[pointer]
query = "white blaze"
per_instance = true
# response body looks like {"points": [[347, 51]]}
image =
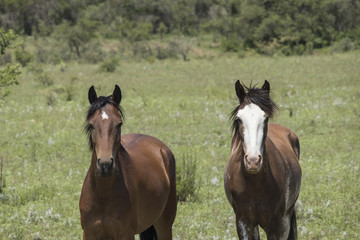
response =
{"points": [[253, 119], [104, 115]]}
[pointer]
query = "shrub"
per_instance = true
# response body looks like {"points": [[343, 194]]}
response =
{"points": [[2, 179], [230, 44], [23, 57], [70, 90], [44, 79], [93, 53], [51, 99], [5, 59], [344, 45], [142, 51], [136, 31], [109, 65], [186, 179], [8, 76], [171, 51]]}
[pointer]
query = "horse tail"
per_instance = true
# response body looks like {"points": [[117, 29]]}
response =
{"points": [[293, 227], [149, 234]]}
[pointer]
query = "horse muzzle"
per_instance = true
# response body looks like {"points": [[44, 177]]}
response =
{"points": [[106, 167], [253, 163]]}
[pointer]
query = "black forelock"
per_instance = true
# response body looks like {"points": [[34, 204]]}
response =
{"points": [[101, 102], [97, 104]]}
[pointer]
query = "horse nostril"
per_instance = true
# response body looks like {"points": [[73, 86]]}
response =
{"points": [[99, 160]]}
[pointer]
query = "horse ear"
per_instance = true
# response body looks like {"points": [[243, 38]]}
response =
{"points": [[240, 91], [116, 97], [92, 95], [266, 86]]}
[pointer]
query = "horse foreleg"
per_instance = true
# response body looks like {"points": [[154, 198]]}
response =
{"points": [[280, 229], [245, 231]]}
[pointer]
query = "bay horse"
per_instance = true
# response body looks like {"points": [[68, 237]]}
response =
{"points": [[263, 175], [130, 187]]}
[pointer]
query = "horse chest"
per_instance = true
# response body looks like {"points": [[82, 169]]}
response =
{"points": [[257, 203], [106, 220], [106, 225]]}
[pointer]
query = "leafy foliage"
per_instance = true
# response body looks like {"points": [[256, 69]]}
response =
{"points": [[8, 76], [109, 65], [242, 24]]}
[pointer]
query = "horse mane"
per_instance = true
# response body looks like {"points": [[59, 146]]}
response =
{"points": [[97, 104], [257, 96]]}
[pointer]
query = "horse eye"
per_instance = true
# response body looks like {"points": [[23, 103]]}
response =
{"points": [[90, 127], [238, 120], [119, 125]]}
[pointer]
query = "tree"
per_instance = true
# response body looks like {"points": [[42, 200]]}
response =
{"points": [[8, 76]]}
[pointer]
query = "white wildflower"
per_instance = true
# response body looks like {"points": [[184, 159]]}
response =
{"points": [[215, 181]]}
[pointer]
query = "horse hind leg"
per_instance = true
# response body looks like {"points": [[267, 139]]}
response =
{"points": [[149, 234], [164, 224]]}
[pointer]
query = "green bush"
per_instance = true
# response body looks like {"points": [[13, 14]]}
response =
{"points": [[142, 50], [5, 59], [44, 79], [186, 178], [109, 65], [93, 53], [171, 51], [344, 45], [136, 31], [8, 76], [23, 57], [230, 44], [2, 179]]}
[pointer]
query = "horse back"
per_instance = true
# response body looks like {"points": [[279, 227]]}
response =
{"points": [[148, 150], [284, 138]]}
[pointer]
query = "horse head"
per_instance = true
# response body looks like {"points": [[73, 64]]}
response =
{"points": [[104, 121], [250, 124]]}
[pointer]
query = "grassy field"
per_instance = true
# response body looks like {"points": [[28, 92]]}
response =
{"points": [[44, 153]]}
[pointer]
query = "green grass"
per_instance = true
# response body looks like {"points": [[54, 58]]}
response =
{"points": [[185, 104]]}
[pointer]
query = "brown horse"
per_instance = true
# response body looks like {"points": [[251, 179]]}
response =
{"points": [[130, 186], [262, 178]]}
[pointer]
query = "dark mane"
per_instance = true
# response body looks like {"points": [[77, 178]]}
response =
{"points": [[259, 97], [99, 103]]}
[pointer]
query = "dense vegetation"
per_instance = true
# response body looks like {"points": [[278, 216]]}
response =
{"points": [[264, 26], [8, 75]]}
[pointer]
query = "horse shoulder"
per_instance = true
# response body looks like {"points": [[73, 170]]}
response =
{"points": [[233, 182], [284, 149]]}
